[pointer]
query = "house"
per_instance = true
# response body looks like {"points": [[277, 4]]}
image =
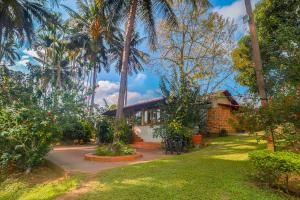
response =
{"points": [[146, 115]]}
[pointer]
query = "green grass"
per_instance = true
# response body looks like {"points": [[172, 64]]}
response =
{"points": [[21, 189], [218, 172]]}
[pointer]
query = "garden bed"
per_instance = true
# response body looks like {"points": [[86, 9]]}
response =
{"points": [[93, 157]]}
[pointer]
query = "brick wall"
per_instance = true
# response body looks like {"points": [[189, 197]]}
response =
{"points": [[217, 118]]}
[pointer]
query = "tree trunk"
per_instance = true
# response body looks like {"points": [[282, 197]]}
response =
{"points": [[94, 88], [125, 57], [58, 77], [256, 55], [126, 90]]}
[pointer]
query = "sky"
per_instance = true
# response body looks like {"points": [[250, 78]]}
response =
{"points": [[145, 85]]}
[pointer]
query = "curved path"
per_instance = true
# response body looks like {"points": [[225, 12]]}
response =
{"points": [[71, 159]]}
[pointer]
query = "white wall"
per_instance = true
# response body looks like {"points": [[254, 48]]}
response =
{"points": [[146, 133]]}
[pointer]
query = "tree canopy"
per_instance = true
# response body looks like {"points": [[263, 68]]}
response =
{"points": [[278, 28]]}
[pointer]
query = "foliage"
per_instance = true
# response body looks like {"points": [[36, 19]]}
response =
{"points": [[110, 127], [200, 46], [117, 149], [223, 132], [196, 60], [82, 131], [18, 23], [123, 130], [25, 136], [105, 130], [173, 129], [278, 32], [279, 119], [273, 167]]}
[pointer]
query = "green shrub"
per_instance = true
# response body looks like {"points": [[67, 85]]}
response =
{"points": [[80, 130], [104, 151], [25, 136], [123, 130], [105, 130], [223, 132], [273, 167], [107, 127], [117, 149]]}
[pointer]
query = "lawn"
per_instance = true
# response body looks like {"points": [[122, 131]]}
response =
{"points": [[219, 171], [43, 183]]}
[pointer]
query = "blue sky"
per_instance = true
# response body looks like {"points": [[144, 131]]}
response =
{"points": [[145, 85]]}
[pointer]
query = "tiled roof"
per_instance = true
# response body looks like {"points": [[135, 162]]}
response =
{"points": [[156, 102]]}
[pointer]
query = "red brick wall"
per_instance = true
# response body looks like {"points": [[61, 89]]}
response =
{"points": [[218, 117]]}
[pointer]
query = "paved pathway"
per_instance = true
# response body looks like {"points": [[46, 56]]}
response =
{"points": [[71, 158]]}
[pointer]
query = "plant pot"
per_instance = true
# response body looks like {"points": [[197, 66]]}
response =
{"points": [[197, 139]]}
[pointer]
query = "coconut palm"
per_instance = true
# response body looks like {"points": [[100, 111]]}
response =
{"points": [[8, 52], [136, 57], [17, 17], [146, 10], [51, 48], [93, 30]]}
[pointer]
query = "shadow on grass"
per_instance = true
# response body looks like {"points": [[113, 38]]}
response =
{"points": [[42, 183], [219, 171]]}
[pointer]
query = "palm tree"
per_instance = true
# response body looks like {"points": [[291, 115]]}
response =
{"points": [[136, 57], [51, 48], [8, 51], [17, 18], [146, 10], [93, 31]]}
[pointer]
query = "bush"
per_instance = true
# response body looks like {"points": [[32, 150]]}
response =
{"points": [[80, 130], [172, 131], [108, 127], [105, 131], [223, 132], [273, 167], [117, 149], [25, 137], [124, 131]]}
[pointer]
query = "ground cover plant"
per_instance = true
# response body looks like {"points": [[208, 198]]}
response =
{"points": [[115, 149], [220, 171], [43, 183], [275, 168]]}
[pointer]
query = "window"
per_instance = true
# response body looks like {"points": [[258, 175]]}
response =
{"points": [[151, 116], [138, 118]]}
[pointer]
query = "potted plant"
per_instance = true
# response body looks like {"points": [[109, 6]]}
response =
{"points": [[197, 138]]}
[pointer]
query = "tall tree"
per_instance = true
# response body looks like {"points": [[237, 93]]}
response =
{"points": [[136, 57], [17, 17], [278, 34], [146, 10], [52, 54], [256, 55], [8, 51], [199, 48], [93, 30]]}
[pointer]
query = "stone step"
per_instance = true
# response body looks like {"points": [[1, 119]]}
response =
{"points": [[136, 139]]}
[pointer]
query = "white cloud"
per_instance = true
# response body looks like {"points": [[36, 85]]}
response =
{"points": [[140, 77], [23, 61], [236, 11], [30, 52], [110, 91]]}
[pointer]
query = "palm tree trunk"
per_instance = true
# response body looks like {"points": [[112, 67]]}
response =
{"points": [[256, 55], [126, 90], [58, 77], [94, 87], [125, 57]]}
